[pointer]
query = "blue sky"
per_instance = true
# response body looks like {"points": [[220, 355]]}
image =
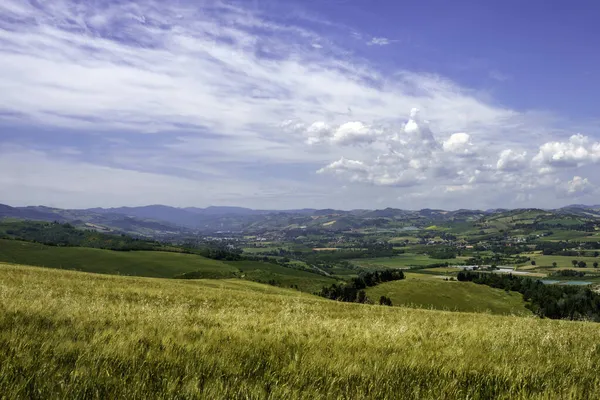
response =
{"points": [[338, 103]]}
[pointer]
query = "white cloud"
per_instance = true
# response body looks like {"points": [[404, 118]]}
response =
{"points": [[353, 132], [379, 41], [579, 186], [576, 152], [511, 160], [406, 157], [459, 144]]}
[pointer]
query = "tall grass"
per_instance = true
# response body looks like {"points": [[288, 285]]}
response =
{"points": [[68, 334]]}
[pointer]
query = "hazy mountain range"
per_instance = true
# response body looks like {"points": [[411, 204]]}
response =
{"points": [[157, 220]]}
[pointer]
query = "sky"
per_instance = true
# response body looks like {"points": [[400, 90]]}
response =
{"points": [[299, 104]]}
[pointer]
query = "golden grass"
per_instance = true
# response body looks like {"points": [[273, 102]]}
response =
{"points": [[68, 334]]}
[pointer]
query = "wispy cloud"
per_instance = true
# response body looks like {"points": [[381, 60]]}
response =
{"points": [[499, 76], [224, 85], [379, 41]]}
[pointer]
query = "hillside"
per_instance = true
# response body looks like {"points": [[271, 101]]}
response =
{"points": [[155, 264], [96, 336], [426, 291], [136, 263]]}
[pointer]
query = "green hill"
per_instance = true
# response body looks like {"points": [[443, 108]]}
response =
{"points": [[141, 263], [66, 334], [433, 292], [155, 264]]}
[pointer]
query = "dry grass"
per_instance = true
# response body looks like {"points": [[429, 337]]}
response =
{"points": [[74, 335]]}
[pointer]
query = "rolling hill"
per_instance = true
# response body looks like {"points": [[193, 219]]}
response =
{"points": [[66, 334], [155, 264]]}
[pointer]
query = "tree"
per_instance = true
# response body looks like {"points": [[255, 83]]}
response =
{"points": [[596, 264], [582, 264], [574, 262], [532, 262], [385, 301], [554, 264], [362, 297]]}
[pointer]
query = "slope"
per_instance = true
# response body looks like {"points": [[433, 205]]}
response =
{"points": [[67, 334], [156, 264], [140, 263]]}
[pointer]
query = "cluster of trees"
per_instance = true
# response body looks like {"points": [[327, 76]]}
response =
{"points": [[385, 301], [569, 273], [550, 301], [564, 248], [496, 259], [587, 226], [443, 253], [353, 291], [217, 252], [580, 264]]}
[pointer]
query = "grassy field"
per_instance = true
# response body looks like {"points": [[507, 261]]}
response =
{"points": [[424, 291], [562, 262], [67, 334], [154, 264], [138, 263]]}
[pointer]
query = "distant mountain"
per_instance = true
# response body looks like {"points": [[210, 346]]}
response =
{"points": [[213, 210], [96, 219], [178, 216], [164, 221], [582, 206], [33, 213]]}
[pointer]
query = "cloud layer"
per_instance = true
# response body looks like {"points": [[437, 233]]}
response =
{"points": [[250, 106]]}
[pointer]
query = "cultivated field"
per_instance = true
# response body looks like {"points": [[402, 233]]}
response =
{"points": [[67, 334]]}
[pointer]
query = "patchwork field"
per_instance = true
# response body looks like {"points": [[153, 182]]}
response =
{"points": [[67, 334]]}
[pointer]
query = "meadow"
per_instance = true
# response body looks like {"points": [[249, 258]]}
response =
{"points": [[66, 334], [138, 263], [426, 291]]}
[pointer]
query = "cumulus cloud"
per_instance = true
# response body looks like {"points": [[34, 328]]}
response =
{"points": [[511, 160], [578, 151], [381, 172], [412, 155], [579, 186], [459, 144]]}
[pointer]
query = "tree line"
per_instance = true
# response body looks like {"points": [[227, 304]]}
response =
{"points": [[546, 301], [354, 292]]}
